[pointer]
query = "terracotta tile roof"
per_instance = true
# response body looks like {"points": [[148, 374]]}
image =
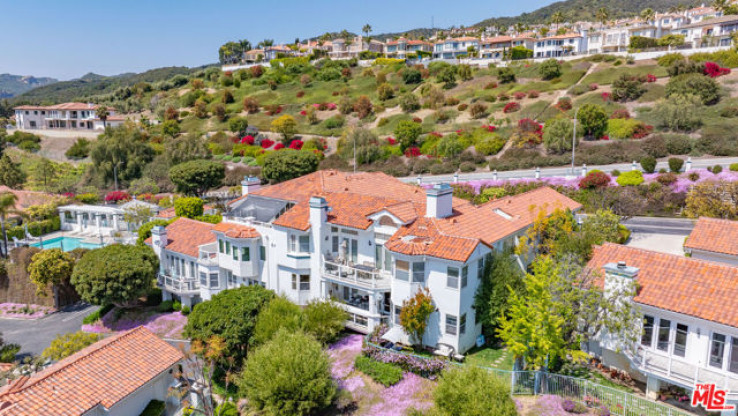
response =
{"points": [[184, 236], [233, 230], [679, 284], [497, 39], [63, 106], [28, 198], [716, 235], [101, 374]]}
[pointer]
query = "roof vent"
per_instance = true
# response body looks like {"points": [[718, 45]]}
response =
{"points": [[621, 265]]}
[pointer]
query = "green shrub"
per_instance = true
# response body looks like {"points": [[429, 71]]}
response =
{"points": [[549, 69], [490, 145], [166, 306], [680, 112], [675, 164], [648, 164], [154, 408], [630, 178], [95, 316], [185, 310], [684, 66], [472, 391], [677, 144], [623, 128], [733, 167], [669, 59], [505, 75], [176, 306], [578, 89], [334, 122], [383, 373], [79, 150], [695, 84], [627, 88], [227, 409]]}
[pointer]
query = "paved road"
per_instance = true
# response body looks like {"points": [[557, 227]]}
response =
{"points": [[655, 225], [35, 336], [563, 171]]}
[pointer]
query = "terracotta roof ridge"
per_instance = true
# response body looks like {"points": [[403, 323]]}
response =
{"points": [[440, 231], [673, 256], [79, 356]]}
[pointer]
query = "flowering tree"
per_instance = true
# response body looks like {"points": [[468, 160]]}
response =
{"points": [[415, 313]]}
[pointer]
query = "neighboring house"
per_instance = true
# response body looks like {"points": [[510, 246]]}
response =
{"points": [[406, 49], [495, 47], [451, 48], [710, 32], [74, 116], [106, 219], [560, 45], [611, 39], [698, 14], [253, 56], [714, 239], [117, 376], [366, 240], [690, 319], [274, 52], [343, 49]]}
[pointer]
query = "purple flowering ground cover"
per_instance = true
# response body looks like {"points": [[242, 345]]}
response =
{"points": [[23, 311], [372, 398], [165, 325]]}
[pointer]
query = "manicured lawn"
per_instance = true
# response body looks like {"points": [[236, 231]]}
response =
{"points": [[498, 358], [606, 73]]}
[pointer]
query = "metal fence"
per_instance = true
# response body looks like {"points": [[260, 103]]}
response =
{"points": [[594, 395]]}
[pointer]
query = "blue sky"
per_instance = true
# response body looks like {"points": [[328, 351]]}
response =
{"points": [[66, 39]]}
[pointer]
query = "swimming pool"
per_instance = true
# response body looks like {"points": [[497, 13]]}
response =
{"points": [[65, 243]]}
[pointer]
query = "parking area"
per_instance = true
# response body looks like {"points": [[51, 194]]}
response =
{"points": [[665, 235]]}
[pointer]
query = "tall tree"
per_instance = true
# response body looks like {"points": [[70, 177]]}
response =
{"points": [[720, 5], [367, 29], [602, 15], [10, 173], [50, 267], [102, 113], [7, 207], [195, 177], [415, 313], [648, 14], [557, 18]]}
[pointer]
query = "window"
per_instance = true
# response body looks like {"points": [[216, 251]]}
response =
{"points": [[664, 334], [402, 270], [203, 279], [304, 244], [235, 253], [214, 280], [464, 276], [228, 247], [480, 268], [302, 281], [451, 324], [262, 253], [717, 350], [192, 269], [293, 243], [733, 364], [680, 340], [245, 254], [452, 277], [647, 331], [418, 272], [462, 324], [398, 310], [231, 278], [334, 244]]}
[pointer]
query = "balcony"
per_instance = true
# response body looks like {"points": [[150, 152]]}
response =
{"points": [[178, 284], [677, 371], [361, 320], [365, 277], [208, 255]]}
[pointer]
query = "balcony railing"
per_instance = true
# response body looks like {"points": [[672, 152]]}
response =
{"points": [[178, 284], [359, 275], [681, 372]]}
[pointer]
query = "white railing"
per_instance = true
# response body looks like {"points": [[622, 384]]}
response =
{"points": [[246, 221], [682, 372], [178, 284], [364, 276]]}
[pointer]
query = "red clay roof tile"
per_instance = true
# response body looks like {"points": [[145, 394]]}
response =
{"points": [[716, 235]]}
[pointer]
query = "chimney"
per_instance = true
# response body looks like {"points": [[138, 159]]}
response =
{"points": [[619, 274], [249, 184], [318, 211], [159, 243], [438, 201]]}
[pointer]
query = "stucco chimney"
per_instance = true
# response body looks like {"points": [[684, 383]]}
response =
{"points": [[438, 202], [249, 184], [159, 242], [619, 274]]}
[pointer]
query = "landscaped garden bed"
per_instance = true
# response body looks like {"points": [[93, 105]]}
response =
{"points": [[166, 325], [24, 311]]}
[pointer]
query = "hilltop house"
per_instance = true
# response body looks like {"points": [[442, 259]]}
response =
{"points": [[105, 220], [74, 116], [117, 376], [560, 45], [403, 48], [690, 319], [452, 48], [366, 240], [715, 240], [716, 31], [347, 49]]}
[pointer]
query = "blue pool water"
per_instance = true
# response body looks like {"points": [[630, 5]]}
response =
{"points": [[65, 243]]}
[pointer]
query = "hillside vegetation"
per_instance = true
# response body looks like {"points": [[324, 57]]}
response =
{"points": [[12, 85]]}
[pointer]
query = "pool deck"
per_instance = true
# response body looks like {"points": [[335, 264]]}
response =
{"points": [[86, 238]]}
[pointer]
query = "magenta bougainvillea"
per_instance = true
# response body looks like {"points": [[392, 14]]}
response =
{"points": [[296, 145], [117, 196], [278, 146], [412, 152], [714, 70], [247, 140], [267, 143], [511, 107]]}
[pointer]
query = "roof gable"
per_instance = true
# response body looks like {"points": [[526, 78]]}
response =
{"points": [[715, 235]]}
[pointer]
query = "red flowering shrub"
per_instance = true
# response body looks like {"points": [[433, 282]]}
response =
{"points": [[519, 95], [491, 85], [300, 94], [117, 196], [417, 120], [650, 78], [527, 125], [606, 96], [278, 146], [595, 180], [273, 109], [69, 195], [593, 86], [489, 128], [564, 104], [303, 113], [642, 130], [247, 140], [714, 70], [511, 107], [620, 113], [266, 143], [533, 94], [435, 134], [391, 141], [412, 152], [296, 144], [605, 137]]}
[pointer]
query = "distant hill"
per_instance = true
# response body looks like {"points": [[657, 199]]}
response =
{"points": [[576, 10], [93, 84], [12, 85]]}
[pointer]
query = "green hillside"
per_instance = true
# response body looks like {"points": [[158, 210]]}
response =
{"points": [[12, 85]]}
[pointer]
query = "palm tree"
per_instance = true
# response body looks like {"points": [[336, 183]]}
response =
{"points": [[367, 29], [7, 207], [648, 14], [557, 18], [602, 16], [103, 113], [519, 27], [543, 31]]}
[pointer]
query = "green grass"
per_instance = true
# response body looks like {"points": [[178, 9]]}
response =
{"points": [[606, 73], [653, 92], [487, 357], [595, 97], [383, 373]]}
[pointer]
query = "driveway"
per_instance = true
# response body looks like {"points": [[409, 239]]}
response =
{"points": [[665, 235], [35, 335]]}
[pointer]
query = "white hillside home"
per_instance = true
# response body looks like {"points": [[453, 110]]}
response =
{"points": [[689, 309], [105, 219], [71, 116], [365, 240]]}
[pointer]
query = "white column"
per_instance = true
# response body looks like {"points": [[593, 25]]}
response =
{"points": [[115, 222], [79, 221], [97, 222], [653, 385], [688, 167], [634, 166]]}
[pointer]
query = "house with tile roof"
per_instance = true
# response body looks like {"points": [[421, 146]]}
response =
{"points": [[709, 32], [366, 240], [403, 48], [556, 46], [73, 116], [452, 48], [689, 311], [714, 239], [117, 376]]}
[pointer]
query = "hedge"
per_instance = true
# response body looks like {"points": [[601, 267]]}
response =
{"points": [[35, 228], [95, 316], [630, 178], [383, 373]]}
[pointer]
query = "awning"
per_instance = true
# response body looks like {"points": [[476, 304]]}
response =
{"points": [[397, 335]]}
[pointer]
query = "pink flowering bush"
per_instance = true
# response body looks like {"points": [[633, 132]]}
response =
{"points": [[279, 146], [117, 196], [650, 78], [303, 113], [714, 70], [489, 128], [606, 96], [412, 152], [296, 144], [519, 95], [392, 141], [267, 143], [247, 140], [511, 107]]}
